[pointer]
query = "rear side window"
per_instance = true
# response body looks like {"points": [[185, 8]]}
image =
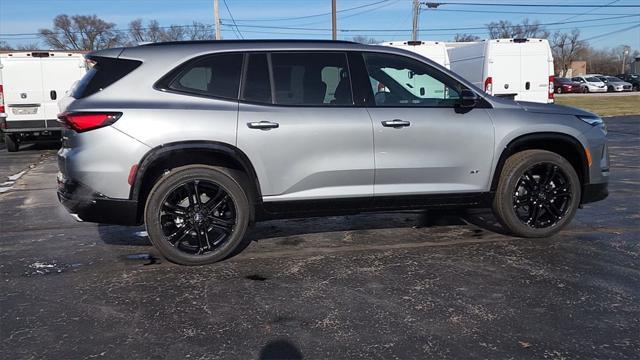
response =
{"points": [[215, 76], [104, 72], [311, 79]]}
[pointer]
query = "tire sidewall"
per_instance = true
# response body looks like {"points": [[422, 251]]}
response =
{"points": [[507, 186], [219, 176]]}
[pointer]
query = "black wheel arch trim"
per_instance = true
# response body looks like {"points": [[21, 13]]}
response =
{"points": [[522, 140], [158, 152]]}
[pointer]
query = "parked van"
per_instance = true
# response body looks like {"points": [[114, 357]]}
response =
{"points": [[520, 69], [435, 51], [31, 82]]}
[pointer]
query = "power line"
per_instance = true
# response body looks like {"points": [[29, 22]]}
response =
{"points": [[430, 29], [612, 32], [523, 12], [537, 5], [590, 11], [316, 15], [232, 19]]}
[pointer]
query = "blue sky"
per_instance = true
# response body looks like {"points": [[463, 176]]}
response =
{"points": [[256, 18]]}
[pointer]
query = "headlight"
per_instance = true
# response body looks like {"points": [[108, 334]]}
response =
{"points": [[593, 121]]}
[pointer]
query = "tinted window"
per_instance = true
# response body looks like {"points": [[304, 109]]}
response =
{"points": [[217, 76], [401, 81], [257, 86], [313, 79], [105, 71]]}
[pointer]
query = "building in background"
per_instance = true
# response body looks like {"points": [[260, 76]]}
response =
{"points": [[577, 68]]}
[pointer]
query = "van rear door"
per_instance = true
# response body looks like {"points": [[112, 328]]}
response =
{"points": [[59, 72], [504, 68], [537, 65], [22, 84]]}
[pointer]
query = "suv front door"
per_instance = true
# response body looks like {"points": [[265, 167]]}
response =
{"points": [[424, 143], [299, 128]]}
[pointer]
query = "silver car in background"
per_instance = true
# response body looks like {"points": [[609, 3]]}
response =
{"points": [[615, 84], [197, 140]]}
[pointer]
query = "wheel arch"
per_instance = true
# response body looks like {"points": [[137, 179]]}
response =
{"points": [[564, 145], [167, 156]]}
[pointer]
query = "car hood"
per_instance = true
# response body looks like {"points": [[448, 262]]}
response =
{"points": [[540, 108]]}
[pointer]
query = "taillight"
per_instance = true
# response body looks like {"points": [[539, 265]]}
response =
{"points": [[488, 85], [1, 99], [81, 122], [550, 92]]}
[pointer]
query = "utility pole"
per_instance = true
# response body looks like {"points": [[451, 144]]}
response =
{"points": [[216, 19], [416, 18], [334, 31], [625, 52]]}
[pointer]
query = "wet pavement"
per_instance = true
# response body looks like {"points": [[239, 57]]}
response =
{"points": [[366, 286]]}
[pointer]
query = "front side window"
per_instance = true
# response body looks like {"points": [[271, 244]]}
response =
{"points": [[311, 79], [216, 76], [401, 81]]}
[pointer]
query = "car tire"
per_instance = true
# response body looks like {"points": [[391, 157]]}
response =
{"points": [[585, 90], [559, 91], [191, 245], [610, 89], [527, 206], [12, 143]]}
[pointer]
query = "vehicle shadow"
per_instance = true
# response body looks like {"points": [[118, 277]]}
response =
{"points": [[481, 218], [263, 231], [280, 349], [40, 145]]}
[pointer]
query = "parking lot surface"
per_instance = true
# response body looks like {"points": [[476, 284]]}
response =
{"points": [[372, 286]]}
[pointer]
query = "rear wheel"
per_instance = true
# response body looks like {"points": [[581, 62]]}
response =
{"points": [[12, 143], [559, 90], [198, 214], [537, 195]]}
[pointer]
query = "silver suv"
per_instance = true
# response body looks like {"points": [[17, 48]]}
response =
{"points": [[197, 140]]}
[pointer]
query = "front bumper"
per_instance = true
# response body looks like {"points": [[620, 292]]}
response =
{"points": [[594, 192], [91, 206]]}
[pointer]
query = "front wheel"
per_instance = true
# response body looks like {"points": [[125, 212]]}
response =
{"points": [[537, 195], [559, 91], [198, 214]]}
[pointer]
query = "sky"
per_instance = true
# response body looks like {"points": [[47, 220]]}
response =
{"points": [[382, 20]]}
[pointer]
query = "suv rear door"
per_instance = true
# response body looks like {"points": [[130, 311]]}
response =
{"points": [[424, 144], [299, 127]]}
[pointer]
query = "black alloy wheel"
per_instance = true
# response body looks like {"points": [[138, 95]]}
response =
{"points": [[542, 197], [197, 217]]}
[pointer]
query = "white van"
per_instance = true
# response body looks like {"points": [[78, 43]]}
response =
{"points": [[521, 69], [424, 85], [433, 50], [31, 82]]}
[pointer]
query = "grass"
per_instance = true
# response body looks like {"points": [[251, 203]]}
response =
{"points": [[604, 105]]}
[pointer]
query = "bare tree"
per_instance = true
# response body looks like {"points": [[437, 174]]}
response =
{"points": [[4, 46], [465, 38], [505, 29], [365, 40], [566, 47], [80, 32], [153, 32]]}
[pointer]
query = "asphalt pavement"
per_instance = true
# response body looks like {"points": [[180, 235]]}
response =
{"points": [[371, 286]]}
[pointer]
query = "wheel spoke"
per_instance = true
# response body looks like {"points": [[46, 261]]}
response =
{"points": [[534, 214], [552, 170], [179, 234], [197, 216]]}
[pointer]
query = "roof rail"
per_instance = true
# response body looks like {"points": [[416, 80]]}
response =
{"points": [[195, 42]]}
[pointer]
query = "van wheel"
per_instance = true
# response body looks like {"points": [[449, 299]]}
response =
{"points": [[537, 195], [198, 214], [12, 143]]}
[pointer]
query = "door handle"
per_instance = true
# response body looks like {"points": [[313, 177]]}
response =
{"points": [[263, 125], [396, 123], [53, 95]]}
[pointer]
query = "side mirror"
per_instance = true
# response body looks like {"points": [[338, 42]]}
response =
{"points": [[468, 99]]}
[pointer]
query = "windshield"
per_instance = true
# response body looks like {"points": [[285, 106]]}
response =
{"points": [[593, 79], [613, 79]]}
